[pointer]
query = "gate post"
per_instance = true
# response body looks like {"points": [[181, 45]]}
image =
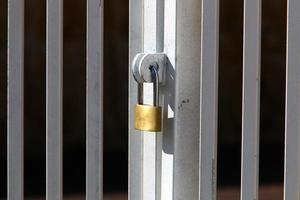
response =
{"points": [[166, 165], [187, 99]]}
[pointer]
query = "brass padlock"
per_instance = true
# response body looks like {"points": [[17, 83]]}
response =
{"points": [[148, 117]]}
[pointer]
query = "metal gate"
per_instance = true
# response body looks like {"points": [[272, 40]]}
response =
{"points": [[54, 60], [181, 161]]}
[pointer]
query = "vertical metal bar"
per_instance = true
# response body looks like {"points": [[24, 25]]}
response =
{"points": [[94, 111], [168, 93], [146, 35], [54, 98], [15, 100], [209, 98], [292, 128], [187, 100], [135, 137], [251, 100], [153, 42], [149, 139]]}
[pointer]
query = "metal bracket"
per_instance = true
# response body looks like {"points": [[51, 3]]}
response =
{"points": [[142, 62]]}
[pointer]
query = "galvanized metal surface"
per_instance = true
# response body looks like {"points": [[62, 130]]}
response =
{"points": [[292, 129], [187, 100], [54, 96], [94, 99], [251, 100], [135, 137], [168, 95], [15, 123], [152, 42], [209, 99]]}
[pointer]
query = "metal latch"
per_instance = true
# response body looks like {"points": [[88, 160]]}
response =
{"points": [[143, 61]]}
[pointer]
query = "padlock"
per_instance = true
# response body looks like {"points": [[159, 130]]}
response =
{"points": [[148, 117]]}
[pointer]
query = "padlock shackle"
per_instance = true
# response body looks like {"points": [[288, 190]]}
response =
{"points": [[155, 79], [140, 93]]}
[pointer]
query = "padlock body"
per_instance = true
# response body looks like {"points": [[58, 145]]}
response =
{"points": [[147, 118]]}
